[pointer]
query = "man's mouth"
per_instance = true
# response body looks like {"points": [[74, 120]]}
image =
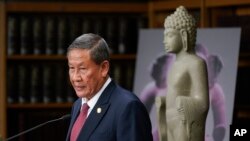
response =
{"points": [[78, 88]]}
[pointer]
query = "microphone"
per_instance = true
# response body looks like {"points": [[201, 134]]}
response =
{"points": [[64, 117]]}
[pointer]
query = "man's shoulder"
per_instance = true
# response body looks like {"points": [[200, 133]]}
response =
{"points": [[124, 95]]}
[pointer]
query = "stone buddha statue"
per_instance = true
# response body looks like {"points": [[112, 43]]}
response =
{"points": [[183, 110]]}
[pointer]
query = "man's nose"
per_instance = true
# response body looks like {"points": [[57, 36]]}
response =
{"points": [[76, 76]]}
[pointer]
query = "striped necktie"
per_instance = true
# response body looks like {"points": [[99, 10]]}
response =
{"points": [[79, 122]]}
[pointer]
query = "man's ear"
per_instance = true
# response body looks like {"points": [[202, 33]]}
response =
{"points": [[184, 37], [105, 68]]}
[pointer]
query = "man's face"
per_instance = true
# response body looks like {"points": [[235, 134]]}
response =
{"points": [[85, 75], [172, 40]]}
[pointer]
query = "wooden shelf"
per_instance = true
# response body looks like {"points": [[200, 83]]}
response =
{"points": [[244, 63], [123, 57], [39, 106], [225, 3], [36, 57], [244, 60], [245, 55], [63, 57], [74, 7], [243, 112], [168, 5]]}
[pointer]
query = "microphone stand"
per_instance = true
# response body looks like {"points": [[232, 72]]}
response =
{"points": [[40, 125]]}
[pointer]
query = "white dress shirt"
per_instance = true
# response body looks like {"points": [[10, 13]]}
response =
{"points": [[91, 103]]}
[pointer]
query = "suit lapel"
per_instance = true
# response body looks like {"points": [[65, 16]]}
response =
{"points": [[97, 113], [76, 110]]}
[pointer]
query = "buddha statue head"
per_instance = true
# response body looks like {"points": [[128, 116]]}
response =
{"points": [[185, 25]]}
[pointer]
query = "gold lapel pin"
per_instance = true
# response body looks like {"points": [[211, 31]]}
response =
{"points": [[99, 110]]}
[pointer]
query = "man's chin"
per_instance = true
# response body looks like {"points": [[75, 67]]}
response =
{"points": [[80, 94]]}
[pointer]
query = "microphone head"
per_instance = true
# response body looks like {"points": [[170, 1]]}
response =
{"points": [[66, 117]]}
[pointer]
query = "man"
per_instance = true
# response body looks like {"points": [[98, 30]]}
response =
{"points": [[113, 113]]}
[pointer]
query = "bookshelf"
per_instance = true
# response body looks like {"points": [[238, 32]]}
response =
{"points": [[14, 113], [206, 12], [236, 14], [75, 7], [63, 57], [40, 106]]}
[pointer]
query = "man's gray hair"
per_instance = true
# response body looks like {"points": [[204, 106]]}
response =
{"points": [[99, 50]]}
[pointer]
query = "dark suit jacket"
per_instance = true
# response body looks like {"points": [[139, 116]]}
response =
{"points": [[123, 118]]}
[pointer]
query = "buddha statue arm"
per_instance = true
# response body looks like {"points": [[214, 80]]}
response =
{"points": [[199, 85], [193, 108], [161, 117]]}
